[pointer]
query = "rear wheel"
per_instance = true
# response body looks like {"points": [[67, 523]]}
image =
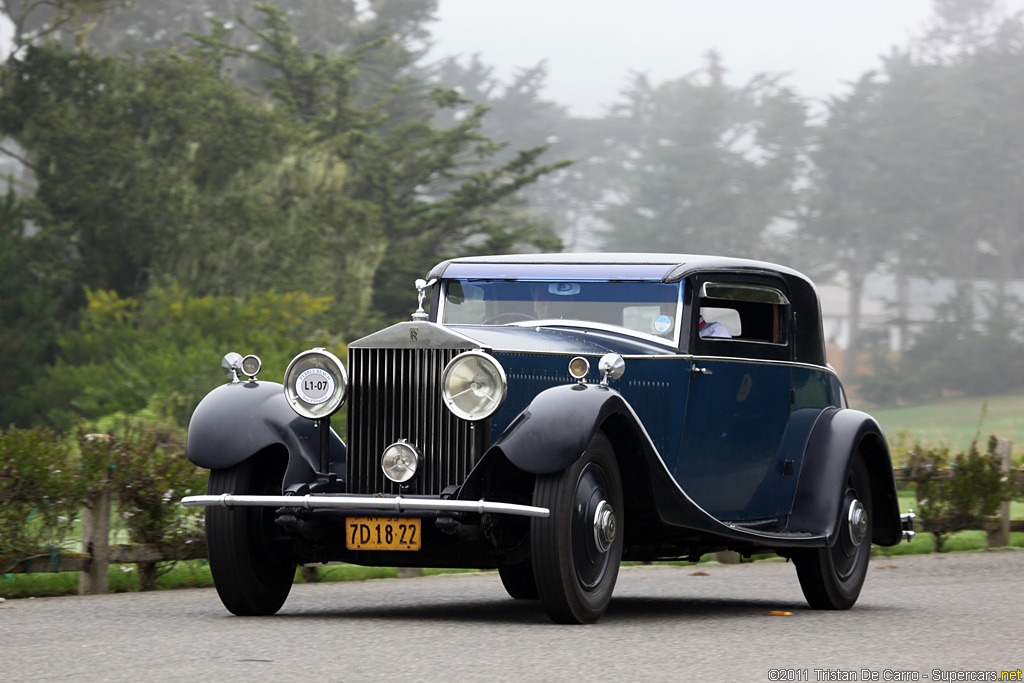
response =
{"points": [[253, 577], [831, 578], [577, 549]]}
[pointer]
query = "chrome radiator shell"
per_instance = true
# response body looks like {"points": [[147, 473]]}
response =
{"points": [[395, 394]]}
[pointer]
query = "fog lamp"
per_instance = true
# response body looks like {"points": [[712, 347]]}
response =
{"points": [[400, 461]]}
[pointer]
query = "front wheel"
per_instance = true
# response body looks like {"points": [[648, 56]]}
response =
{"points": [[577, 549], [518, 581], [831, 578], [252, 576]]}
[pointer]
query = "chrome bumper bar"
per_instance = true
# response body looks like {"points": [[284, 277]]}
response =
{"points": [[387, 504], [907, 522]]}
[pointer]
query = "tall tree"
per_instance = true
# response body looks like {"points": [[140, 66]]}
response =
{"points": [[163, 170], [698, 165], [69, 21], [920, 167], [846, 216], [28, 285], [520, 117]]}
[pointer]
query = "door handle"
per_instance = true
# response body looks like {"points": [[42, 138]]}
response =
{"points": [[694, 371]]}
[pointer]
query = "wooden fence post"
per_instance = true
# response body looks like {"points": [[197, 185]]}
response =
{"points": [[1000, 536], [96, 542]]}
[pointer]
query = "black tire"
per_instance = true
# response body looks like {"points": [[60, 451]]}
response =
{"points": [[252, 577], [518, 581], [575, 567], [831, 578]]}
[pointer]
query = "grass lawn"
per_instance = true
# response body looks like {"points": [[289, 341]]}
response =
{"points": [[954, 422], [190, 574]]}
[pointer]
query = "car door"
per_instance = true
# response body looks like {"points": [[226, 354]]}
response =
{"points": [[733, 454]]}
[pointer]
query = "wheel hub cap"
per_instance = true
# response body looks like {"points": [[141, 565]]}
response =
{"points": [[857, 522], [604, 526]]}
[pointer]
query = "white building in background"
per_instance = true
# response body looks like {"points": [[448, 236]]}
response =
{"points": [[879, 313]]}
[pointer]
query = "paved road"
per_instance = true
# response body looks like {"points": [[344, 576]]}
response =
{"points": [[948, 612]]}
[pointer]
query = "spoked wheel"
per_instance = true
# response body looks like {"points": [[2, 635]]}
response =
{"points": [[251, 576], [518, 581], [576, 551], [831, 578]]}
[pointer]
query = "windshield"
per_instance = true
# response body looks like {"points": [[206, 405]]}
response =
{"points": [[649, 308]]}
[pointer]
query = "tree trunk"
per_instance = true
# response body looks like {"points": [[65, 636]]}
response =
{"points": [[855, 294], [902, 305], [147, 576]]}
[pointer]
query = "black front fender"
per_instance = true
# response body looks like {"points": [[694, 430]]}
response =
{"points": [[554, 430], [836, 437], [235, 421]]}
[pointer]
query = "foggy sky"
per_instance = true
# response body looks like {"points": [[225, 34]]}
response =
{"points": [[591, 46]]}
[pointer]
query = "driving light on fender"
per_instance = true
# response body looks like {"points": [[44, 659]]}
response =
{"points": [[251, 366], [473, 385], [315, 384], [400, 461], [579, 367]]}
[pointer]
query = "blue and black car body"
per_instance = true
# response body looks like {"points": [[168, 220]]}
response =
{"points": [[551, 416]]}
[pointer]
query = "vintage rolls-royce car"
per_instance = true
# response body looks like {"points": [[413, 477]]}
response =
{"points": [[551, 416]]}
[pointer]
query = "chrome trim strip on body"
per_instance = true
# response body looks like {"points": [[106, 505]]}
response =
{"points": [[384, 504]]}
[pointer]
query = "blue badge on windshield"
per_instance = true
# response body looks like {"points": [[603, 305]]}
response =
{"points": [[662, 324]]}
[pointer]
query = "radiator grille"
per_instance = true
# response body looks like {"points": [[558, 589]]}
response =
{"points": [[395, 394]]}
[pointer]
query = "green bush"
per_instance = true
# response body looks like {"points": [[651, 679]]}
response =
{"points": [[956, 494], [167, 347], [43, 485], [149, 473], [45, 482]]}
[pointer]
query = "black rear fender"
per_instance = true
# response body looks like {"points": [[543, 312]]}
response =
{"points": [[836, 437]]}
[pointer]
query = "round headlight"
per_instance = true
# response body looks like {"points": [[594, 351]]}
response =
{"points": [[473, 385], [315, 384], [400, 462]]}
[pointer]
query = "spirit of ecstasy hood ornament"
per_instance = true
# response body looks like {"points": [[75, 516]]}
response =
{"points": [[421, 293]]}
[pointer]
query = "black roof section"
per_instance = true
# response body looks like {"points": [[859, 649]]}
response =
{"points": [[672, 267]]}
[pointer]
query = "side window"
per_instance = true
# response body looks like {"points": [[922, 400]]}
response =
{"points": [[743, 312]]}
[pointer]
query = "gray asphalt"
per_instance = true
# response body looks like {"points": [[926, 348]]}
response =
{"points": [[918, 616]]}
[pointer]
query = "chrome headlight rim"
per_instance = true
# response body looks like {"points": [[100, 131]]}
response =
{"points": [[495, 400], [316, 384]]}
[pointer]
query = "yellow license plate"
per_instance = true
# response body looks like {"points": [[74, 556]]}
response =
{"points": [[382, 533]]}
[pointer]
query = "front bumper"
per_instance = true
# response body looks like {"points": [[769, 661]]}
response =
{"points": [[375, 503]]}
